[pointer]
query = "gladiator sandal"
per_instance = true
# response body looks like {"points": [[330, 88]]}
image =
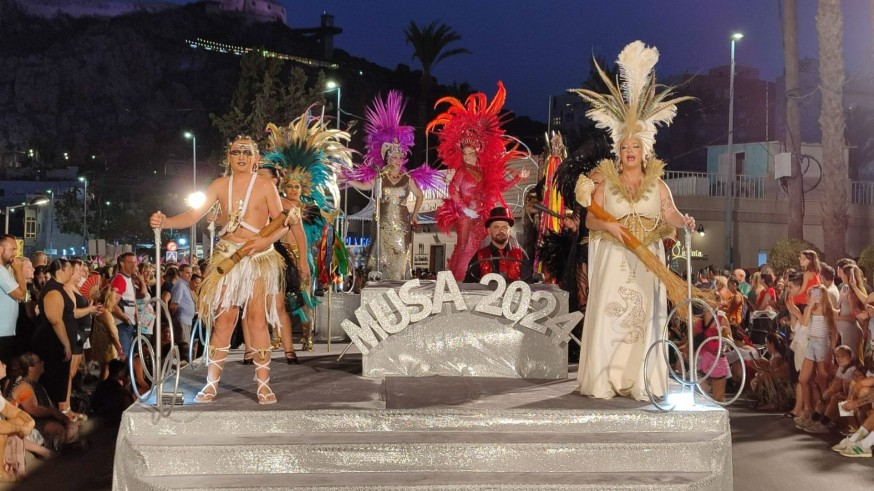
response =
{"points": [[204, 395], [262, 362]]}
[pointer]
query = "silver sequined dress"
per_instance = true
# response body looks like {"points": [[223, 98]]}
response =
{"points": [[395, 237]]}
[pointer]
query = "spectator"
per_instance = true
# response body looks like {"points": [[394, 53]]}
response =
{"points": [[827, 273], [27, 318], [756, 286], [771, 386], [819, 318], [14, 423], [767, 297], [39, 258], [83, 311], [171, 275], [113, 395], [849, 307], [734, 304], [811, 267], [56, 330], [13, 289], [182, 303], [742, 286], [826, 409], [861, 395], [105, 344], [703, 280], [125, 312], [56, 428]]}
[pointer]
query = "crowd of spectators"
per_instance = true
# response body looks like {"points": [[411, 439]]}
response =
{"points": [[67, 331], [804, 337]]}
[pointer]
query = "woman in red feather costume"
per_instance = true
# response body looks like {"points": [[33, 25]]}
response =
{"points": [[473, 144]]}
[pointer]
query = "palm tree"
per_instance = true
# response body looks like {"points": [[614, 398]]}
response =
{"points": [[793, 119], [430, 47], [835, 179]]}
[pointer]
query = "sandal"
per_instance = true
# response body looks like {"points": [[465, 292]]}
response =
{"points": [[203, 396], [247, 361], [268, 397], [291, 360], [74, 416]]}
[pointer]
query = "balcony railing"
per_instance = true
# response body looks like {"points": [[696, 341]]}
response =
{"points": [[862, 193], [705, 184]]}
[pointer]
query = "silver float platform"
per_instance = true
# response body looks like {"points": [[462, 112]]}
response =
{"points": [[333, 429]]}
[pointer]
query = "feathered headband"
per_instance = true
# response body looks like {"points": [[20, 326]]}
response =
{"points": [[632, 108], [384, 130], [475, 124], [385, 135], [311, 154]]}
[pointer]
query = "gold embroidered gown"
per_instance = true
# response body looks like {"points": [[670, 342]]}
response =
{"points": [[627, 304], [395, 236]]}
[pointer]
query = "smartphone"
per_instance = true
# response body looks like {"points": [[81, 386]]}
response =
{"points": [[816, 294]]}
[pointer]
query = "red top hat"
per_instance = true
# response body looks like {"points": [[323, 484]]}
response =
{"points": [[499, 213]]}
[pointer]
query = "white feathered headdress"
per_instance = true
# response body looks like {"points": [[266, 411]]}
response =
{"points": [[632, 108]]}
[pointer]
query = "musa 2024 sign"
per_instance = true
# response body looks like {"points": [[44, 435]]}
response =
{"points": [[438, 328]]}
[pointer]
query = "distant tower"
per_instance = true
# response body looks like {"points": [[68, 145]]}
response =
{"points": [[328, 32]]}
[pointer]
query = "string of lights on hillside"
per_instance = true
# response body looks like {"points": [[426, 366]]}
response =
{"points": [[241, 50]]}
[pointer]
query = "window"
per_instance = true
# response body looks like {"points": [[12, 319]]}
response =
{"points": [[739, 160], [30, 227]]}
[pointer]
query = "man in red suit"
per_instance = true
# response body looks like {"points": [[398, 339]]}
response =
{"points": [[499, 256]]}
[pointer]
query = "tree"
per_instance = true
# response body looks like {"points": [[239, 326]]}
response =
{"points": [[430, 47], [793, 119], [835, 179], [261, 97]]}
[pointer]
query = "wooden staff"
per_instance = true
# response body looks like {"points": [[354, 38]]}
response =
{"points": [[675, 286], [229, 262]]}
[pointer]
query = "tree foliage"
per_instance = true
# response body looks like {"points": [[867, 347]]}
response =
{"points": [[266, 93], [784, 253]]}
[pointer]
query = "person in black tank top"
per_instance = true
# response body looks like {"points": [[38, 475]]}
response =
{"points": [[52, 341]]}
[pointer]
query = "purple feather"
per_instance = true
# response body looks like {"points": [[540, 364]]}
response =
{"points": [[361, 173], [427, 178], [384, 125]]}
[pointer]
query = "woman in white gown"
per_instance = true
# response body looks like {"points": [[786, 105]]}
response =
{"points": [[627, 307]]}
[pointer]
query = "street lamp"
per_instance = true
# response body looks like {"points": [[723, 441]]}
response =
{"points": [[190, 136], [331, 85], [729, 188], [84, 180], [38, 201]]}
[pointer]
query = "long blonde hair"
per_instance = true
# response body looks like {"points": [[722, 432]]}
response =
{"points": [[828, 310]]}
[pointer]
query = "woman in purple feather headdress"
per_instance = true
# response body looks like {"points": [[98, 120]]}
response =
{"points": [[383, 171]]}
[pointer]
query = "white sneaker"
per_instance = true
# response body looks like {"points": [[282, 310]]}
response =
{"points": [[856, 451], [843, 445]]}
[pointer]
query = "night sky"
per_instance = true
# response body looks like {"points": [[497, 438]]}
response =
{"points": [[539, 48]]}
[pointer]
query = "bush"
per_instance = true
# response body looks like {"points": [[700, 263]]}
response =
{"points": [[866, 260], [785, 253]]}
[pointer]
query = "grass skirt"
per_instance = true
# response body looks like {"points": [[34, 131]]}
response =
{"points": [[259, 278]]}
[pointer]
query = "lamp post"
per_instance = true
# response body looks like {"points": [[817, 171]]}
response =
{"points": [[331, 85], [38, 201], [51, 216], [193, 198], [84, 180], [729, 188]]}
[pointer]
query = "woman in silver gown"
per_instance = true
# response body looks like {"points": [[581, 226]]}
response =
{"points": [[392, 222]]}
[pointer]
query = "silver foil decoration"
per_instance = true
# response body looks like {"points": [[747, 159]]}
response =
{"points": [[529, 340], [446, 280]]}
